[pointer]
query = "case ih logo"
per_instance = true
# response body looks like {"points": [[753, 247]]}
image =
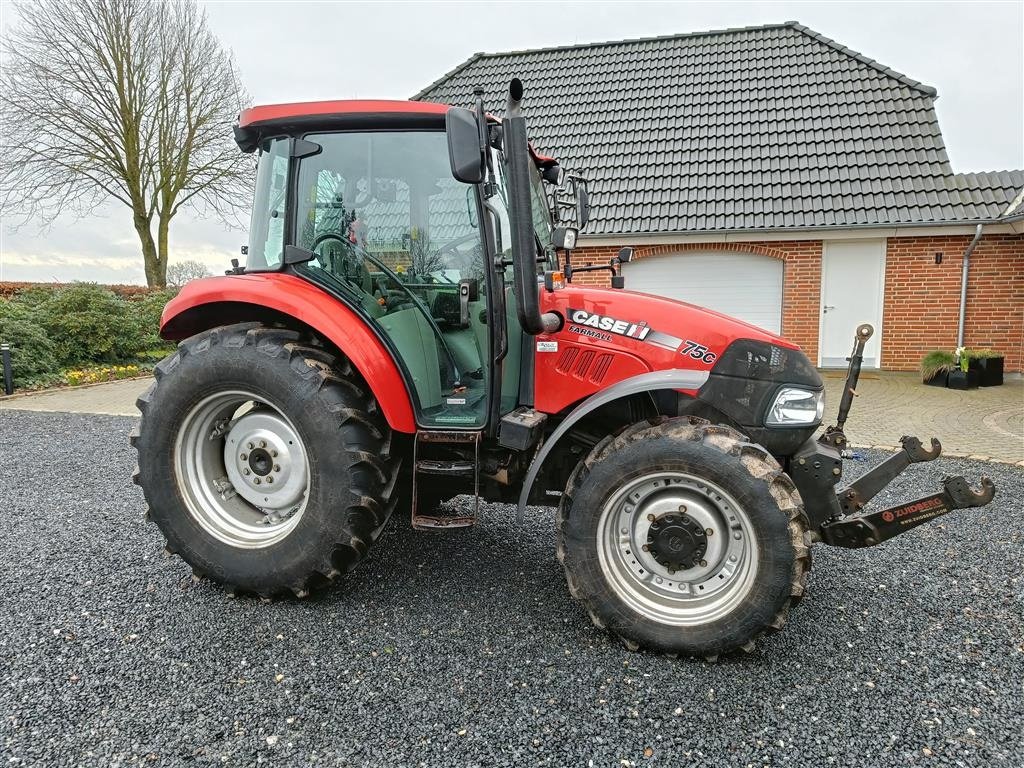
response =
{"points": [[928, 505], [625, 328]]}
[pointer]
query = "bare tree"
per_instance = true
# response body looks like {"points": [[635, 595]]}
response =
{"points": [[130, 100], [425, 258], [181, 272]]}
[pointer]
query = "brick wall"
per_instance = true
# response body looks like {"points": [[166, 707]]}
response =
{"points": [[922, 298], [801, 289]]}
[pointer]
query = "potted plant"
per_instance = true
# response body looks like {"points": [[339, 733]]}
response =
{"points": [[962, 377], [935, 367], [988, 364]]}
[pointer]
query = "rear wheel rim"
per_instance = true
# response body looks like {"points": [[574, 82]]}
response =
{"points": [[689, 596], [242, 469]]}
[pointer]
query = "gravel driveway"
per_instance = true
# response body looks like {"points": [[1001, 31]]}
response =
{"points": [[464, 649]]}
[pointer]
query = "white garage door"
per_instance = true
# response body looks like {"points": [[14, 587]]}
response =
{"points": [[739, 284]]}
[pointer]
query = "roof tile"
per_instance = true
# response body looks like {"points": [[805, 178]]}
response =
{"points": [[768, 127]]}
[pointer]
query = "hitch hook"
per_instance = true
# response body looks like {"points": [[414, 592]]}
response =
{"points": [[917, 452], [964, 496]]}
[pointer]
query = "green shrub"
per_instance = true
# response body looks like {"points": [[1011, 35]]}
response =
{"points": [[88, 323], [982, 354], [54, 328], [33, 355], [935, 362], [146, 311]]}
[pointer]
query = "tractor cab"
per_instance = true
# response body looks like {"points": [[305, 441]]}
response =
{"points": [[369, 210]]}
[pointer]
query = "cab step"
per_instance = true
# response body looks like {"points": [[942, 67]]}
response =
{"points": [[428, 441], [438, 467]]}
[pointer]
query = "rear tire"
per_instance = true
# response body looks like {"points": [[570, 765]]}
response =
{"points": [[207, 458], [683, 537]]}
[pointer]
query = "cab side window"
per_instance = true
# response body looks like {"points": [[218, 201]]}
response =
{"points": [[266, 233]]}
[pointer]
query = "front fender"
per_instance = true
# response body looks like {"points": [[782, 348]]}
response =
{"points": [[207, 303], [674, 378]]}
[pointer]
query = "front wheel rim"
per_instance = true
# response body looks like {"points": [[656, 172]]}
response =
{"points": [[242, 469], [724, 557]]}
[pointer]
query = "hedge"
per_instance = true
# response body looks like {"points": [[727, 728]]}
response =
{"points": [[10, 287], [54, 328]]}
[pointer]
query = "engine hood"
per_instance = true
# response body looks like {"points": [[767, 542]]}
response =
{"points": [[610, 334]]}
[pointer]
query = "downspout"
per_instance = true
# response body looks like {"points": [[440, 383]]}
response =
{"points": [[963, 286]]}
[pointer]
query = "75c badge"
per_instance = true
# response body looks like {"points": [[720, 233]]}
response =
{"points": [[697, 351]]}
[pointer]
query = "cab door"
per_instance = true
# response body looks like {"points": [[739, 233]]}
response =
{"points": [[400, 238]]}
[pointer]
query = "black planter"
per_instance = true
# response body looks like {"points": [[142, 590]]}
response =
{"points": [[938, 380], [989, 369], [962, 379]]}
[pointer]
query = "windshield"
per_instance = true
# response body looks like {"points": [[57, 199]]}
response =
{"points": [[540, 213], [540, 207]]}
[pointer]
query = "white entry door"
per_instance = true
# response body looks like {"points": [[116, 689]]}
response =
{"points": [[852, 286]]}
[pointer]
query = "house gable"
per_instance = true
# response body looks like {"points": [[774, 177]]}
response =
{"points": [[762, 128]]}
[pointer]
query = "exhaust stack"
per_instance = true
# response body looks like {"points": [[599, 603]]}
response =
{"points": [[513, 108]]}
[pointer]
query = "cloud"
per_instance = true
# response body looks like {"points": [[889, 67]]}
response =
{"points": [[105, 248], [972, 52]]}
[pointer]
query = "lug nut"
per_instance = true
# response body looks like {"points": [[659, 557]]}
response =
{"points": [[277, 467], [651, 518], [837, 471], [257, 481], [274, 454], [251, 446], [703, 563], [245, 471], [270, 478], [244, 457], [263, 443], [708, 532], [682, 507], [646, 548]]}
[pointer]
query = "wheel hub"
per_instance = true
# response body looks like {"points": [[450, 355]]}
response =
{"points": [[261, 462], [676, 572], [677, 542], [265, 461]]}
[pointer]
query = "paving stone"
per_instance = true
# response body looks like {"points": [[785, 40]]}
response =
{"points": [[986, 422]]}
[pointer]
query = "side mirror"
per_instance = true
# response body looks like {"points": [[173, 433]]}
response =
{"points": [[625, 255], [464, 151], [583, 203]]}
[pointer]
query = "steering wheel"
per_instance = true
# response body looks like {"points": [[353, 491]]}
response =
{"points": [[459, 241], [365, 278]]}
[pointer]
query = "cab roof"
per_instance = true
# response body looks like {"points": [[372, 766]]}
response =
{"points": [[283, 112], [256, 123]]}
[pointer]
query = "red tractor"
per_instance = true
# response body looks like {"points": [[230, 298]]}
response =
{"points": [[405, 330]]}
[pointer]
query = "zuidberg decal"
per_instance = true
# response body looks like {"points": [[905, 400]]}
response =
{"points": [[625, 328]]}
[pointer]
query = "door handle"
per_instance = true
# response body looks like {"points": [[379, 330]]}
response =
{"points": [[827, 308], [469, 290]]}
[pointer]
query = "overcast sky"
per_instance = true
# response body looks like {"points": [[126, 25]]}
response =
{"points": [[971, 51]]}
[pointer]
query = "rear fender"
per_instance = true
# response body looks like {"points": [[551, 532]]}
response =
{"points": [[279, 297]]}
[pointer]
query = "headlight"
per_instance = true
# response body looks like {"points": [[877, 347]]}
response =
{"points": [[795, 407]]}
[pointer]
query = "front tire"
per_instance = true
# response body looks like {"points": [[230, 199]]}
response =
{"points": [[263, 459], [683, 537]]}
